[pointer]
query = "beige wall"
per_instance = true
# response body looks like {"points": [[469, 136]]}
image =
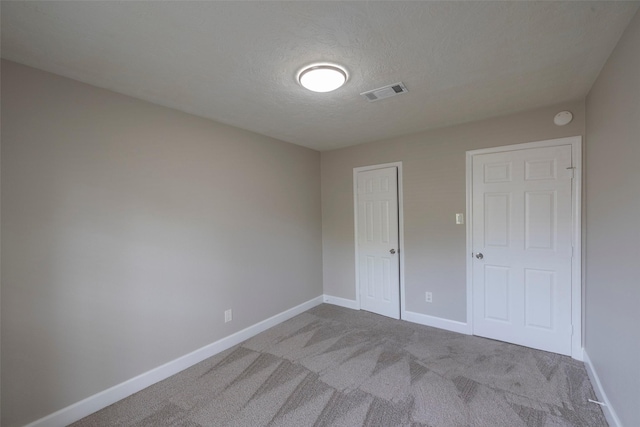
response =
{"points": [[434, 190], [613, 233], [127, 230]]}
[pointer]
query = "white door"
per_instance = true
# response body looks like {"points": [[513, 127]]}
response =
{"points": [[377, 237], [522, 247]]}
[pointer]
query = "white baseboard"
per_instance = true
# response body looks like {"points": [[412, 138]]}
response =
{"points": [[409, 316], [437, 322], [609, 412], [578, 354], [101, 400], [342, 302]]}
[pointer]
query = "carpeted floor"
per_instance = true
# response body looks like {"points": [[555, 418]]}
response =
{"points": [[332, 366]]}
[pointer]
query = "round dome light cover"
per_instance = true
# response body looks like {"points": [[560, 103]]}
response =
{"points": [[563, 118], [322, 78]]}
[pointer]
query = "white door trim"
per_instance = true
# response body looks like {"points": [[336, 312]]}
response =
{"points": [[576, 266], [400, 228]]}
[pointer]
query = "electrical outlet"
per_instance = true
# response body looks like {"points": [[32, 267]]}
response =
{"points": [[428, 297], [228, 316]]}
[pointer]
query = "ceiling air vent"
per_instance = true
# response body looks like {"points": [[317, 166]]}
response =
{"points": [[384, 92]]}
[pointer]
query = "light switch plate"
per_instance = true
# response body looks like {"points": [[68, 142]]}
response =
{"points": [[459, 218]]}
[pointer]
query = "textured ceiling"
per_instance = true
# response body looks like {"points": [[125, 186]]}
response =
{"points": [[235, 62]]}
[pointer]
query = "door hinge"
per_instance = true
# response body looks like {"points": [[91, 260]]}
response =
{"points": [[572, 169], [571, 330]]}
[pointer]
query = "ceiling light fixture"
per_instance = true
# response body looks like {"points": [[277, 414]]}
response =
{"points": [[322, 78], [563, 118]]}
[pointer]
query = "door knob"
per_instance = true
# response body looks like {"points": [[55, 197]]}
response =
{"points": [[479, 255], [392, 251]]}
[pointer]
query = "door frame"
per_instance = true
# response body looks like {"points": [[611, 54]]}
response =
{"points": [[400, 229], [575, 142]]}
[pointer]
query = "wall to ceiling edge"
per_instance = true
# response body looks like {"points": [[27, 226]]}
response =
{"points": [[612, 340], [434, 191], [128, 229], [59, 302]]}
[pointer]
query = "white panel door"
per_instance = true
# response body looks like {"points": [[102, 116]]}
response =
{"points": [[377, 236], [522, 244]]}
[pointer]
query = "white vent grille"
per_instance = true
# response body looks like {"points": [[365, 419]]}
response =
{"points": [[384, 92]]}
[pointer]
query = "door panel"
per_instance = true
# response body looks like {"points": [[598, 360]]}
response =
{"points": [[496, 298], [522, 225], [496, 223], [540, 212], [377, 236], [539, 291]]}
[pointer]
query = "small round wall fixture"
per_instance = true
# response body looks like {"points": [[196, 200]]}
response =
{"points": [[322, 77], [563, 118]]}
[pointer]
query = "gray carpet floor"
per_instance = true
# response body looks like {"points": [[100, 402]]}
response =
{"points": [[332, 366]]}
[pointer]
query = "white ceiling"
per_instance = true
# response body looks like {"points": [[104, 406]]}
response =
{"points": [[235, 62]]}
